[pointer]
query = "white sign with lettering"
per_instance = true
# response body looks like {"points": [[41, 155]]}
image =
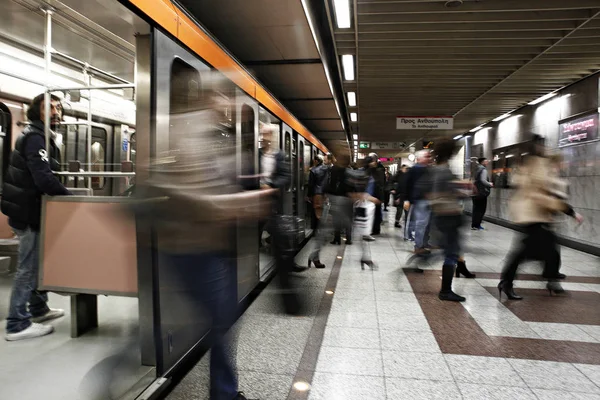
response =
{"points": [[387, 145], [424, 123]]}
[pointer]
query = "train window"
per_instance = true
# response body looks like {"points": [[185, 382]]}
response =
{"points": [[248, 146], [269, 121], [301, 164], [288, 152], [5, 128], [185, 96]]}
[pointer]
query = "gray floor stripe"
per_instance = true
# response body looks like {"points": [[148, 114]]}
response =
{"points": [[308, 362]]}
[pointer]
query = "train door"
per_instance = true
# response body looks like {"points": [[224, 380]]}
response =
{"points": [[288, 196], [301, 179], [307, 206], [5, 137], [247, 156]]}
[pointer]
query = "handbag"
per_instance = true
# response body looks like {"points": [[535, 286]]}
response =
{"points": [[364, 214]]}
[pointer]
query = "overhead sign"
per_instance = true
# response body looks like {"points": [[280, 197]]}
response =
{"points": [[580, 130], [388, 145], [386, 159], [424, 123], [364, 145]]}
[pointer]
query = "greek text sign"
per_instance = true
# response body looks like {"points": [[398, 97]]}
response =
{"points": [[580, 130], [387, 145], [424, 123]]}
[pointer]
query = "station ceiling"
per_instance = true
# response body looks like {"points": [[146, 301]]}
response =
{"points": [[473, 60], [272, 38]]}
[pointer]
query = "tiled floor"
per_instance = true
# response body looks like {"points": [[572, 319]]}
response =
{"points": [[387, 336]]}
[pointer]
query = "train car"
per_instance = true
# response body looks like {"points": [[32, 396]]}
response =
{"points": [[115, 66]]}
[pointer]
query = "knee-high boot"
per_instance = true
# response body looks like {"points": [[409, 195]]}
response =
{"points": [[446, 293]]}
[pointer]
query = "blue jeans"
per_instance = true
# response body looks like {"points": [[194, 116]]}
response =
{"points": [[422, 216], [25, 284], [212, 277]]}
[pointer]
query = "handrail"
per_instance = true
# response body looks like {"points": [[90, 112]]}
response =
{"points": [[94, 174]]}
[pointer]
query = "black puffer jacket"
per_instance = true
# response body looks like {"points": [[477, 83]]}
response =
{"points": [[318, 180], [29, 176]]}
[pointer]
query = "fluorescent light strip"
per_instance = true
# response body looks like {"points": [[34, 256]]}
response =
{"points": [[543, 98], [342, 13], [355, 143], [355, 137], [352, 99], [500, 118], [348, 64], [353, 117], [458, 137], [476, 128]]}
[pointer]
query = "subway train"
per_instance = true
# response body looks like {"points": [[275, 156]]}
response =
{"points": [[116, 66]]}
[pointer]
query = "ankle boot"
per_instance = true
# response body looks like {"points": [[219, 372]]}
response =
{"points": [[507, 288], [446, 293], [461, 269]]}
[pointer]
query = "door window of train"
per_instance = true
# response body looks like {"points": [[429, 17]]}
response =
{"points": [[301, 164], [5, 127], [185, 97], [307, 162], [269, 121], [294, 162], [248, 145], [288, 153]]}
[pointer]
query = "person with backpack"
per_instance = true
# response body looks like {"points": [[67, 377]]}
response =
{"points": [[482, 191]]}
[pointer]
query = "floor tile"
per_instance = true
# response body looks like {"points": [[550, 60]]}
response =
{"points": [[591, 371], [501, 328], [258, 385], [569, 332], [483, 370], [395, 296], [415, 365], [404, 322], [269, 359], [472, 391], [421, 389], [592, 330], [352, 319], [399, 309], [545, 394], [342, 360], [553, 375], [365, 305], [327, 386], [351, 337], [422, 341]]}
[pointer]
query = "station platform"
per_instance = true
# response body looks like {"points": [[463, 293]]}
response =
{"points": [[385, 335]]}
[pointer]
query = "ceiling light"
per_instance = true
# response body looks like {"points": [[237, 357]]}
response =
{"points": [[348, 64], [353, 117], [342, 13], [477, 128], [355, 137], [352, 99], [500, 118], [543, 98], [458, 137], [356, 143]]}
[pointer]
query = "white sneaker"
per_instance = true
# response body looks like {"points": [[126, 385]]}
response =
{"points": [[53, 313], [35, 330]]}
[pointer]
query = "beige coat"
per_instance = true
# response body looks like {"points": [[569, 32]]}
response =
{"points": [[536, 199]]}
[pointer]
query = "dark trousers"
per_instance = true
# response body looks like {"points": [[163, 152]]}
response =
{"points": [[210, 281], [539, 243], [284, 252], [386, 199], [377, 220], [342, 209], [479, 207]]}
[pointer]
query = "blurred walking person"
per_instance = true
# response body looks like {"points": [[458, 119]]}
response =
{"points": [[338, 192], [534, 206], [447, 193], [482, 190], [399, 193], [194, 201], [317, 182]]}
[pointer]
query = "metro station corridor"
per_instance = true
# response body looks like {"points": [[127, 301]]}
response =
{"points": [[385, 335]]}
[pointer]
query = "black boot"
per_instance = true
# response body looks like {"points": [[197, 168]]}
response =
{"points": [[507, 288], [461, 269], [446, 293]]}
